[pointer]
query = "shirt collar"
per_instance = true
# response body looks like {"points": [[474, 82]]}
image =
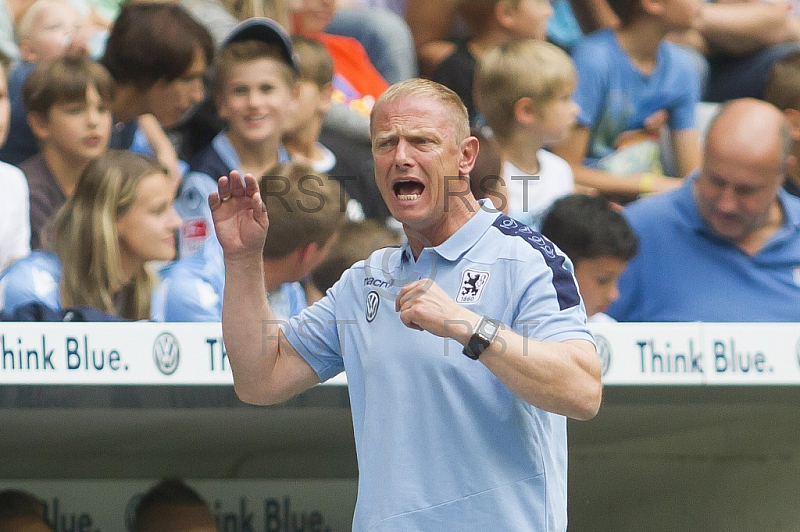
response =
{"points": [[467, 235]]}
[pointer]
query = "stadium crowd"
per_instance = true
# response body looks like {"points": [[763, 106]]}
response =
{"points": [[117, 118]]}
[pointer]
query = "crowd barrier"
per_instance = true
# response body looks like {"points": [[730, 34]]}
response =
{"points": [[194, 354]]}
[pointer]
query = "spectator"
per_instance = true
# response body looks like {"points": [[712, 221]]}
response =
{"points": [[157, 54], [382, 32], [306, 211], [301, 135], [119, 218], [725, 246], [524, 90], [598, 240], [631, 81], [22, 512], [68, 101], [256, 75], [314, 88], [783, 91], [15, 226], [46, 31], [172, 506], [492, 23], [742, 39]]}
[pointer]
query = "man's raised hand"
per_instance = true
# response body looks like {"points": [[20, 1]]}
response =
{"points": [[240, 218]]}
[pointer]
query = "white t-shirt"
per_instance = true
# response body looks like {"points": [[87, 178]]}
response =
{"points": [[15, 219], [529, 196]]}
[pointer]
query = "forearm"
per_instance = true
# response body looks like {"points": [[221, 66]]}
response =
{"points": [[745, 27], [248, 328], [560, 377], [161, 146]]}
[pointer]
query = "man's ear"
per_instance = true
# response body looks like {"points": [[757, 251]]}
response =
{"points": [[39, 125], [469, 154]]}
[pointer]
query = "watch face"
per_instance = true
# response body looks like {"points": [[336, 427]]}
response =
{"points": [[489, 329]]}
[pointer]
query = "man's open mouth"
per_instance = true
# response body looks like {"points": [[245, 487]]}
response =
{"points": [[408, 190]]}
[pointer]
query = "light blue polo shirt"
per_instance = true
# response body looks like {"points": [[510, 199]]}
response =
{"points": [[685, 272], [442, 444]]}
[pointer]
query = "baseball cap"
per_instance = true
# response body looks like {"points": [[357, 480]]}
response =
{"points": [[266, 30]]}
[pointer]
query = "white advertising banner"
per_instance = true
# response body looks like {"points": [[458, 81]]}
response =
{"points": [[699, 353], [193, 354], [237, 505]]}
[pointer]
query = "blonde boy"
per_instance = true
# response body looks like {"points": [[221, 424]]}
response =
{"points": [[68, 101], [47, 29], [491, 23], [524, 91], [255, 94]]}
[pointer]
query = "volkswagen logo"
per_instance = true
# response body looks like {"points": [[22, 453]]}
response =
{"points": [[166, 353]]}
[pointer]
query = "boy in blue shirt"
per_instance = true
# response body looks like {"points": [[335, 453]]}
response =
{"points": [[631, 81]]}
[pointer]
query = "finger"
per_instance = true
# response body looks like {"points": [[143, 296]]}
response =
{"points": [[213, 201], [251, 185], [237, 185], [224, 187], [407, 293]]}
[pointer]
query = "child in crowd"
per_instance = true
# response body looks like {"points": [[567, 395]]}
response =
{"points": [[21, 511], [598, 241], [783, 91], [255, 94], [491, 23], [631, 81], [119, 218], [314, 89], [305, 213], [172, 506], [302, 130], [68, 101], [46, 30], [524, 90], [15, 227]]}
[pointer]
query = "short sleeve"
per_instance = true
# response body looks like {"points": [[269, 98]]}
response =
{"points": [[314, 335]]}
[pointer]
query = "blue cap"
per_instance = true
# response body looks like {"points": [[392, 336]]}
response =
{"points": [[266, 30]]}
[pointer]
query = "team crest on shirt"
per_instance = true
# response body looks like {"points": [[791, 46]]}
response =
{"points": [[373, 302], [472, 285]]}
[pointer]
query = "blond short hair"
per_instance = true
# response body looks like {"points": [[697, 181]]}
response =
{"points": [[419, 88], [526, 68], [32, 15]]}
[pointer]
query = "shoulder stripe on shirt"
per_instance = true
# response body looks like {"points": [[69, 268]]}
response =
{"points": [[563, 281]]}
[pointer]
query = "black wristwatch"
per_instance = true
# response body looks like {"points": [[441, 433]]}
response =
{"points": [[483, 335]]}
